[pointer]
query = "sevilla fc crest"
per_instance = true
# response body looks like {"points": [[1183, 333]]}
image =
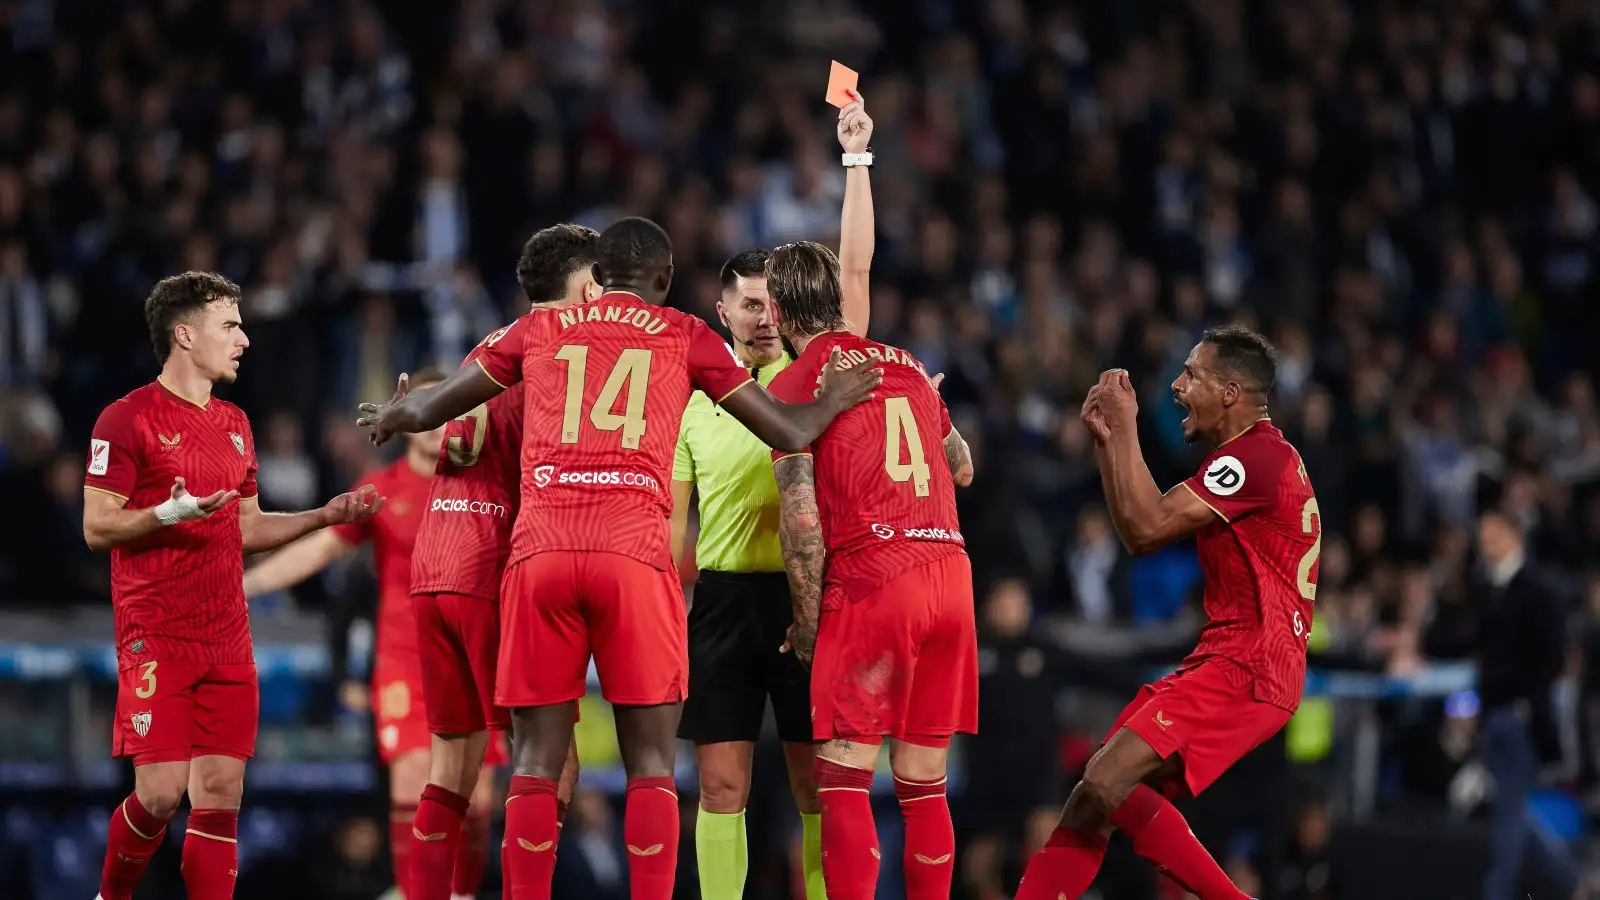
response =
{"points": [[238, 441], [141, 723]]}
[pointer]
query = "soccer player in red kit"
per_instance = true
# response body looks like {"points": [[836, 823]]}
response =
{"points": [[591, 571], [1259, 535], [187, 700], [397, 692], [881, 586], [461, 551]]}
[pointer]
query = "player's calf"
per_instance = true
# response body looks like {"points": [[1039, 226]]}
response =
{"points": [[541, 746], [138, 826], [850, 855], [919, 784]]}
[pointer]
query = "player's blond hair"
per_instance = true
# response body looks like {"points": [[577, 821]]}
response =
{"points": [[803, 280]]}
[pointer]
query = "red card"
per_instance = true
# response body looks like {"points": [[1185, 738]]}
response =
{"points": [[842, 81]]}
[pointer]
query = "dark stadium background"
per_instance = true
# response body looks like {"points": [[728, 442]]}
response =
{"points": [[1401, 193]]}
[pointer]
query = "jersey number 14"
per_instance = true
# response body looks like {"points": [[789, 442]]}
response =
{"points": [[631, 372]]}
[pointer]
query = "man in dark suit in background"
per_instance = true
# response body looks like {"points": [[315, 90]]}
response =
{"points": [[1521, 648]]}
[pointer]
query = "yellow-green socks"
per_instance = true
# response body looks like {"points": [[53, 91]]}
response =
{"points": [[811, 855], [721, 852]]}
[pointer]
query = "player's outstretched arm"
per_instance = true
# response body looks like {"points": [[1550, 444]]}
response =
{"points": [[959, 456], [800, 535], [268, 531], [294, 563], [791, 427], [857, 225], [412, 412], [108, 523]]}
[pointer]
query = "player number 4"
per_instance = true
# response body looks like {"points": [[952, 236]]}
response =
{"points": [[900, 424], [631, 371], [464, 452]]}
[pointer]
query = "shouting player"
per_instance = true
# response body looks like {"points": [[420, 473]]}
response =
{"points": [[1258, 531], [461, 550], [187, 700], [896, 654], [399, 715], [741, 604], [591, 571]]}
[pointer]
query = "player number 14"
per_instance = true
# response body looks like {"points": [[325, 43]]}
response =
{"points": [[900, 424], [631, 371]]}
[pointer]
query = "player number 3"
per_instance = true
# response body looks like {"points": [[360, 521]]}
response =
{"points": [[900, 424], [631, 371], [464, 451], [147, 682]]}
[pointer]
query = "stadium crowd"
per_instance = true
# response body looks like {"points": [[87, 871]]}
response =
{"points": [[1401, 195]]}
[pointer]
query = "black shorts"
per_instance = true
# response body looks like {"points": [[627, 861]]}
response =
{"points": [[736, 625]]}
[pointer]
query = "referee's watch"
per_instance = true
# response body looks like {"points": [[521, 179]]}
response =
{"points": [[851, 160]]}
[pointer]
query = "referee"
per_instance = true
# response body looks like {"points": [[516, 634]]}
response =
{"points": [[741, 611]]}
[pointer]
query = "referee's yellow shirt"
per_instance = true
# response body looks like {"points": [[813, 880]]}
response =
{"points": [[732, 471]]}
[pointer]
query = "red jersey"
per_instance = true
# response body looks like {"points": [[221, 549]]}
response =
{"points": [[178, 592], [465, 536], [393, 533], [1259, 559], [605, 388], [884, 490]]}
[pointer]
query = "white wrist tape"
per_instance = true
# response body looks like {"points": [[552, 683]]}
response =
{"points": [[179, 509], [851, 160]]}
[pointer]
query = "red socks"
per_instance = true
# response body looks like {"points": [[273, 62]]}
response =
{"points": [[650, 826], [1160, 834], [434, 838], [529, 855], [133, 836], [850, 853], [1065, 867], [930, 838], [472, 856], [211, 854]]}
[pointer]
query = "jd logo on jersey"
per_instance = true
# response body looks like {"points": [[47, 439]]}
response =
{"points": [[1224, 477]]}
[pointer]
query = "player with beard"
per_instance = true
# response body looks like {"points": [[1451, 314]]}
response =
{"points": [[741, 607], [187, 696], [1258, 531]]}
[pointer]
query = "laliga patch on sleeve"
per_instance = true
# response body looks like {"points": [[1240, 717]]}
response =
{"points": [[99, 456], [1224, 476]]}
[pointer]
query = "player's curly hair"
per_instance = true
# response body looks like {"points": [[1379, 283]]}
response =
{"points": [[633, 249], [803, 279], [750, 263], [177, 298], [1244, 356], [551, 257]]}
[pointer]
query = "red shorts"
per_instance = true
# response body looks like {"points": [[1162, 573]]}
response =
{"points": [[1207, 714], [174, 711], [901, 661], [458, 638], [559, 607], [399, 713]]}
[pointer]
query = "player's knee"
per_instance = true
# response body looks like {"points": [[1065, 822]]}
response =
{"points": [[217, 789], [916, 763], [722, 791], [161, 799], [1104, 786]]}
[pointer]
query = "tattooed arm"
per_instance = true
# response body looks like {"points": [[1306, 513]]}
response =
{"points": [[959, 456], [800, 535]]}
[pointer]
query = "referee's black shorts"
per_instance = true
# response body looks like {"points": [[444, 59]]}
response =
{"points": [[736, 625]]}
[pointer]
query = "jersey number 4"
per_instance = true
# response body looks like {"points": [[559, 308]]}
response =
{"points": [[631, 372], [900, 425]]}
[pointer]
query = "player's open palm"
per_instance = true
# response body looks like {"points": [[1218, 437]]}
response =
{"points": [[843, 388], [855, 126], [355, 506], [192, 507], [801, 640], [376, 416]]}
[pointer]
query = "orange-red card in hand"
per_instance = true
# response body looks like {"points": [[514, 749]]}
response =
{"points": [[842, 81]]}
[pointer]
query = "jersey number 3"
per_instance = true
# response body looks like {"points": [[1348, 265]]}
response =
{"points": [[900, 425], [631, 371], [464, 451]]}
